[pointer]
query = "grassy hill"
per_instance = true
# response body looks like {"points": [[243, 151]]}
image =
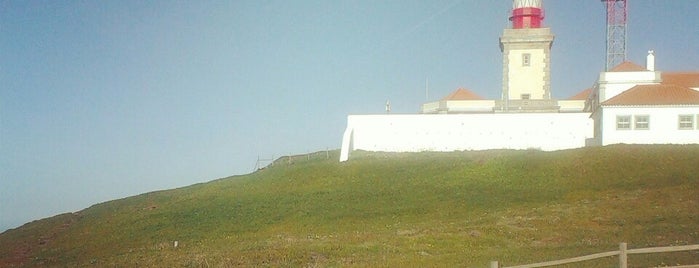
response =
{"points": [[393, 210]]}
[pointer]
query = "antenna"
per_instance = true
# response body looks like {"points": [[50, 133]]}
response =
{"points": [[427, 89], [616, 32]]}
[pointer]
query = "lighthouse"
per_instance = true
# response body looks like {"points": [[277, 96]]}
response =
{"points": [[526, 14], [526, 51]]}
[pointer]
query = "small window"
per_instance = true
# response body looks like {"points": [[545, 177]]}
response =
{"points": [[526, 59], [623, 122], [641, 122], [686, 121], [526, 96]]}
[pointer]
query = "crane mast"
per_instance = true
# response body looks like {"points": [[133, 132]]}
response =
{"points": [[616, 32]]}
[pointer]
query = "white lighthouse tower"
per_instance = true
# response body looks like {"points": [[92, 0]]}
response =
{"points": [[526, 52]]}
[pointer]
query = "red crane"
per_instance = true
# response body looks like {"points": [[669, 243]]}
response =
{"points": [[616, 32]]}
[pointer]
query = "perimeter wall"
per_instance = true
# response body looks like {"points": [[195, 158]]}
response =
{"points": [[459, 132]]}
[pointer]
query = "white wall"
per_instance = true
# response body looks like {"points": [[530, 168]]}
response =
{"points": [[457, 132], [614, 83], [526, 79], [458, 106], [663, 126], [571, 105]]}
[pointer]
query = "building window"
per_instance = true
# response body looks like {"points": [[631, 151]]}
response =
{"points": [[686, 121], [641, 122], [526, 59], [623, 122], [526, 96]]}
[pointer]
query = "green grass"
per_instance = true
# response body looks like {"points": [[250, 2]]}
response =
{"points": [[392, 209]]}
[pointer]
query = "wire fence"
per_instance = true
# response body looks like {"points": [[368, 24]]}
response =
{"points": [[326, 154]]}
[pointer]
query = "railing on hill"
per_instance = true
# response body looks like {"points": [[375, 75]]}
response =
{"points": [[623, 253], [291, 159], [263, 163]]}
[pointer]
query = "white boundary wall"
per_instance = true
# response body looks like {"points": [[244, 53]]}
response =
{"points": [[458, 132]]}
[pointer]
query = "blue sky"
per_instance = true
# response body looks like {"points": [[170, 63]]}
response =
{"points": [[106, 99]]}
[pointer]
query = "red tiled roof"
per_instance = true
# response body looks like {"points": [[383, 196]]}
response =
{"points": [[628, 66], [582, 95], [685, 79], [462, 94], [656, 94]]}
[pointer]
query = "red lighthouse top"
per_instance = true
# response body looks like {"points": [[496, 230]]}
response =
{"points": [[527, 14]]}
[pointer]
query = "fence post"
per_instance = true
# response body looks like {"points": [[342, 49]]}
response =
{"points": [[494, 264], [622, 255]]}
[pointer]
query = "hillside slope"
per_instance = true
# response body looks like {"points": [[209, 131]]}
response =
{"points": [[380, 209]]}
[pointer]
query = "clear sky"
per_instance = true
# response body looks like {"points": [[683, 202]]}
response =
{"points": [[107, 99]]}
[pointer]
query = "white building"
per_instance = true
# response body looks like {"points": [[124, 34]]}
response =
{"points": [[637, 105], [628, 104]]}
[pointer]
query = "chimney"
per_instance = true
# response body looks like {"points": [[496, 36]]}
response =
{"points": [[650, 61]]}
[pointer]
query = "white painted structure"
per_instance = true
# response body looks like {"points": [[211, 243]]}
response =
{"points": [[571, 106], [664, 125], [650, 61], [526, 63], [458, 132], [525, 117], [458, 106], [628, 104], [638, 107], [526, 3], [615, 82]]}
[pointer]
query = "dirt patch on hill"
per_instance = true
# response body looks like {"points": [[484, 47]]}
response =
{"points": [[20, 248]]}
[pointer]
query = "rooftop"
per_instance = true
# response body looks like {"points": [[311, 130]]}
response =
{"points": [[628, 66], [656, 94], [685, 79], [582, 95], [462, 94]]}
